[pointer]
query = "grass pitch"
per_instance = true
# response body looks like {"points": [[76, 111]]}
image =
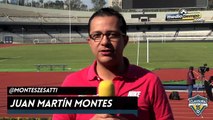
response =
{"points": [[78, 56]]}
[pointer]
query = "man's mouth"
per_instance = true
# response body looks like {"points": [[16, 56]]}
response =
{"points": [[106, 52]]}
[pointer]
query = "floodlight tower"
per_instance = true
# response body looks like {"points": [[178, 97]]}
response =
{"points": [[70, 21]]}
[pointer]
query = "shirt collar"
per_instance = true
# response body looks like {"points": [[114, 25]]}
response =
{"points": [[129, 74], [92, 75]]}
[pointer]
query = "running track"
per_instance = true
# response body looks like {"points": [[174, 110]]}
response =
{"points": [[179, 107]]}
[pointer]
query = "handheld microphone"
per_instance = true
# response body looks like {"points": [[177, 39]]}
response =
{"points": [[106, 88]]}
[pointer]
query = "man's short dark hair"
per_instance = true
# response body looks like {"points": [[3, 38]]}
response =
{"points": [[109, 12]]}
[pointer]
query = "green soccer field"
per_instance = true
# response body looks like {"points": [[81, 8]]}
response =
{"points": [[77, 56]]}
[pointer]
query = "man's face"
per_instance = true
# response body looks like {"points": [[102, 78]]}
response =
{"points": [[107, 49]]}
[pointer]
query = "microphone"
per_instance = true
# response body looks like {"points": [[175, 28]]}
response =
{"points": [[106, 88]]}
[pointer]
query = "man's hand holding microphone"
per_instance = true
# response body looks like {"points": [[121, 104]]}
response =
{"points": [[106, 89]]}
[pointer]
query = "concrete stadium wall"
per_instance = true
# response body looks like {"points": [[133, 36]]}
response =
{"points": [[31, 15]]}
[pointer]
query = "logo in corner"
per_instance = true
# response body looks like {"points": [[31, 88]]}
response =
{"points": [[198, 104]]}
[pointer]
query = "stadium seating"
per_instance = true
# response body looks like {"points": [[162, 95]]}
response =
{"points": [[157, 29]]}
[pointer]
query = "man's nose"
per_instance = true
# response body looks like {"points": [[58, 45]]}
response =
{"points": [[105, 40]]}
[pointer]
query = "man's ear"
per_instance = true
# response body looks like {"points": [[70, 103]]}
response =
{"points": [[126, 40], [89, 41]]}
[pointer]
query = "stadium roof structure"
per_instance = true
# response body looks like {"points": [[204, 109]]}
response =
{"points": [[23, 15], [14, 14]]}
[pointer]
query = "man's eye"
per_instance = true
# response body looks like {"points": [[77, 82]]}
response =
{"points": [[113, 35], [96, 35]]}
